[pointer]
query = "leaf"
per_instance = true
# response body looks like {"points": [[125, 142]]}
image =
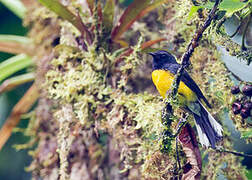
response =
{"points": [[249, 174], [108, 15], [14, 64], [11, 83], [16, 6], [64, 13], [23, 105], [151, 42], [15, 44], [193, 10], [14, 48], [230, 6], [136, 10], [246, 134], [149, 49], [90, 5], [14, 38], [122, 43], [143, 46]]}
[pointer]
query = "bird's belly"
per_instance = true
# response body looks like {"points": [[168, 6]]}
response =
{"points": [[163, 80]]}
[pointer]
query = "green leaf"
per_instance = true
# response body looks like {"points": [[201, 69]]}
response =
{"points": [[136, 10], [193, 10], [230, 6], [15, 44], [13, 82], [63, 12], [16, 6], [249, 174], [246, 134], [108, 15], [14, 38], [14, 64]]}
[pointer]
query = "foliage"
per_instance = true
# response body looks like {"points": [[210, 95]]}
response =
{"points": [[133, 13], [230, 6], [246, 134], [13, 82], [13, 65], [229, 9], [16, 6], [93, 115]]}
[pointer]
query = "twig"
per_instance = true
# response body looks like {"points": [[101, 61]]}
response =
{"points": [[167, 111], [180, 126], [233, 152], [219, 24], [236, 31], [243, 47], [223, 20], [190, 49], [182, 122], [177, 154]]}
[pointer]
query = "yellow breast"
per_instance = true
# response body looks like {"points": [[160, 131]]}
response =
{"points": [[163, 80]]}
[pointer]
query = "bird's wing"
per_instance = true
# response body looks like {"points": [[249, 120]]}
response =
{"points": [[186, 78]]}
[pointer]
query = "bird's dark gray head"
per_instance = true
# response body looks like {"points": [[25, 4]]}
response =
{"points": [[161, 58]]}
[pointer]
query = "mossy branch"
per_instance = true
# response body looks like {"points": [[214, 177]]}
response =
{"points": [[172, 96], [190, 49]]}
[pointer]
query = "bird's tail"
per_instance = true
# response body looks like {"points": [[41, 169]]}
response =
{"points": [[209, 130]]}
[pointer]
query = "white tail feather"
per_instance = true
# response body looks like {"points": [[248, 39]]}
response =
{"points": [[217, 127], [202, 136]]}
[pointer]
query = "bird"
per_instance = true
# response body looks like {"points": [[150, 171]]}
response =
{"points": [[191, 98]]}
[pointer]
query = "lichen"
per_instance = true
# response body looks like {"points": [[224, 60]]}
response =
{"points": [[95, 118], [65, 118], [211, 75]]}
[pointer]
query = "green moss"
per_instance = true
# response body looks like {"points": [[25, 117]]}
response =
{"points": [[142, 118], [101, 125]]}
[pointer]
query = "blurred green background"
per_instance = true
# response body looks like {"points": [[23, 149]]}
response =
{"points": [[12, 162]]}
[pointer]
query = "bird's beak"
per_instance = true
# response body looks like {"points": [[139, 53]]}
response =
{"points": [[152, 54]]}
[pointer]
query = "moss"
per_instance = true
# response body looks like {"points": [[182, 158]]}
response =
{"points": [[64, 138], [91, 121], [140, 115], [215, 81], [158, 166], [213, 78], [224, 40], [29, 131], [77, 78]]}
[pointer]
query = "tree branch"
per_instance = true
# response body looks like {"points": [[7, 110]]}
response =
{"points": [[190, 49], [167, 112]]}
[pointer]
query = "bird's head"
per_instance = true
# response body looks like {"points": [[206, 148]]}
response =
{"points": [[160, 58]]}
